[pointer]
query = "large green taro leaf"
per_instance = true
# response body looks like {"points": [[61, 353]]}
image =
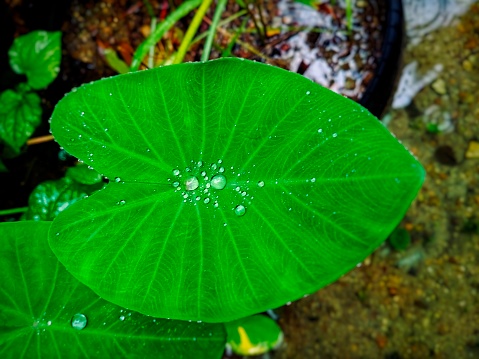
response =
{"points": [[46, 313], [235, 187]]}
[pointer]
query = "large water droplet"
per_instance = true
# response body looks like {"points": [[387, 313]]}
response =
{"points": [[121, 202], [192, 183], [240, 210], [117, 179], [260, 184], [79, 321], [218, 182], [176, 172], [122, 318]]}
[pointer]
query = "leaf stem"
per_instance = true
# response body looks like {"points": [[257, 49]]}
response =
{"points": [[6, 212], [195, 23], [41, 139], [221, 23], [151, 55], [247, 46], [212, 31]]}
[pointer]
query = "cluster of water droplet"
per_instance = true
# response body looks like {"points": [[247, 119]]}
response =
{"points": [[203, 183]]}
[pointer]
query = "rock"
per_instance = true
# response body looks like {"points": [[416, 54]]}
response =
{"points": [[473, 150], [439, 86], [467, 65]]}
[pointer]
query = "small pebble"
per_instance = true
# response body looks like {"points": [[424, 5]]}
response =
{"points": [[473, 150], [439, 86]]}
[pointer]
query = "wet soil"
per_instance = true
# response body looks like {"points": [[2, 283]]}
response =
{"points": [[423, 302]]}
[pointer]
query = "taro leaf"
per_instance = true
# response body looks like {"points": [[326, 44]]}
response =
{"points": [[49, 198], [84, 174], [240, 186], [37, 55], [40, 300], [20, 114]]}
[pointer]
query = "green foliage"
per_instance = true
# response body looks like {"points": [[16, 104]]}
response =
{"points": [[238, 187], [20, 114], [253, 335], [151, 41], [46, 313], [37, 55], [2, 167], [400, 239], [50, 198], [84, 174], [115, 62]]}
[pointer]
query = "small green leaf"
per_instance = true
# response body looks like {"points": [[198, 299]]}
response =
{"points": [[115, 62], [253, 335], [3, 168], [241, 187], [400, 239], [46, 313], [50, 198], [20, 114], [37, 55], [84, 174]]}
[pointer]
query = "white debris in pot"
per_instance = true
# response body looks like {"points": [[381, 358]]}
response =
{"points": [[323, 51]]}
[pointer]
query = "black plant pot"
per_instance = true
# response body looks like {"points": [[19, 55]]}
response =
{"points": [[379, 92]]}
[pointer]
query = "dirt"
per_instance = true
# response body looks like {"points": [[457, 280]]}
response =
{"points": [[419, 303]]}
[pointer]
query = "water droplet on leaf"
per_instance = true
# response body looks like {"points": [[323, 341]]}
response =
{"points": [[260, 184], [192, 183], [79, 321], [218, 182], [240, 210]]}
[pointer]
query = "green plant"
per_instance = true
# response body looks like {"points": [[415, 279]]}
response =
{"points": [[235, 187], [36, 55], [49, 198], [253, 335], [400, 239]]}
